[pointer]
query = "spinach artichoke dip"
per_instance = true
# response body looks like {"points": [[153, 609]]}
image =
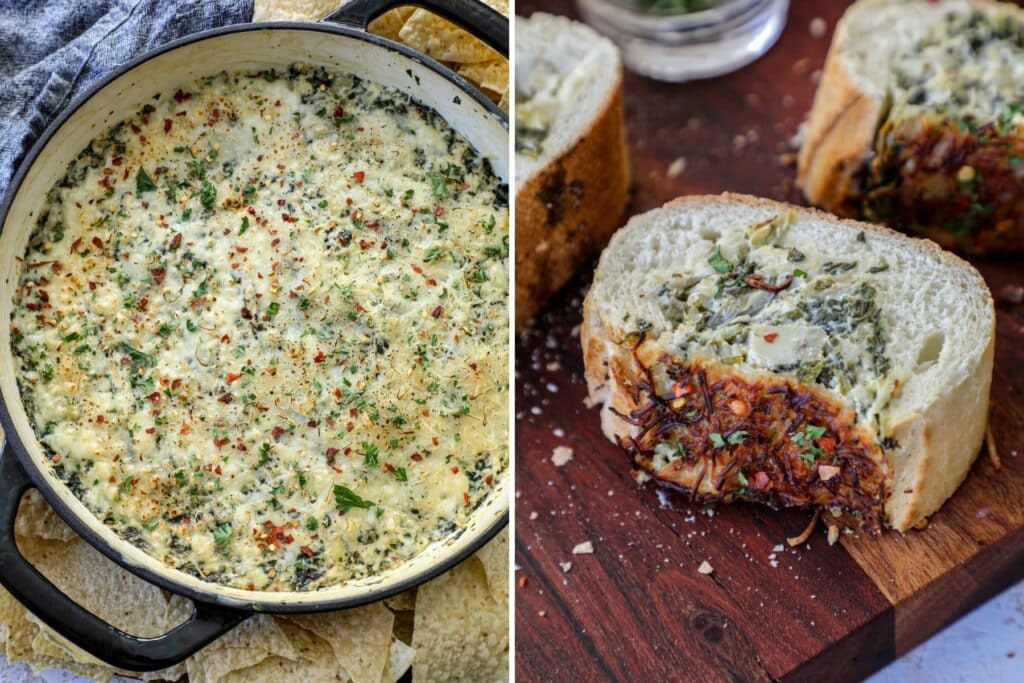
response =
{"points": [[262, 329]]}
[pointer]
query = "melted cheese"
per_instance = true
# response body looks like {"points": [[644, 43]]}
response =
{"points": [[262, 330]]}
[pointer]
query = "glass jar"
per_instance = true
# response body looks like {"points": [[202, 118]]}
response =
{"points": [[724, 37]]}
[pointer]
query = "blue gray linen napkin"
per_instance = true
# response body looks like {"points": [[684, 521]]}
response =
{"points": [[52, 50]]}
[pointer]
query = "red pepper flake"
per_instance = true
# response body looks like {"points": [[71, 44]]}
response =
{"points": [[771, 337], [827, 443], [432, 282], [489, 479], [359, 176], [240, 249], [154, 397], [436, 313], [363, 244], [331, 453], [416, 269], [180, 96], [151, 430], [220, 443], [158, 275], [231, 377], [246, 313], [100, 419], [319, 357], [439, 211], [97, 242], [117, 161], [349, 426], [176, 241], [217, 469], [288, 218], [55, 458], [167, 125], [175, 384], [277, 432], [226, 397], [455, 469], [465, 496]]}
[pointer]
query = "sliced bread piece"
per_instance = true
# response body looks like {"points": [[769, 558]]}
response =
{"points": [[918, 121], [572, 169], [748, 349]]}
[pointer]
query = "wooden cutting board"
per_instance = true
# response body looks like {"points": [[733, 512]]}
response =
{"points": [[637, 608]]}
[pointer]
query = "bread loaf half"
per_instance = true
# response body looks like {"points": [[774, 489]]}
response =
{"points": [[918, 121], [572, 170], [747, 349]]}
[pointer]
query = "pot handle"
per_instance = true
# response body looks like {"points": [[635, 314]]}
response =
{"points": [[483, 22], [80, 626]]}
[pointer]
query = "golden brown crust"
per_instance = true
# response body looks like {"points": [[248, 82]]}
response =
{"points": [[840, 131], [567, 210], [940, 444]]}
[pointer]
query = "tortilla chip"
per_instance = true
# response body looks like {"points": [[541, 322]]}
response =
{"points": [[400, 658], [38, 520], [494, 558], [20, 633], [360, 638], [402, 601], [461, 631], [443, 40], [293, 10], [248, 644], [390, 23], [100, 586], [314, 662], [489, 75]]}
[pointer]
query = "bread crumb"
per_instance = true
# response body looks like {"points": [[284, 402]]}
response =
{"points": [[677, 167], [542, 613], [818, 27], [553, 366], [522, 581], [705, 567], [561, 455], [534, 515], [641, 477], [585, 548], [566, 566], [833, 534]]}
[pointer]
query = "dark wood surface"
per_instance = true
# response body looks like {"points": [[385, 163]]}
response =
{"points": [[637, 608]]}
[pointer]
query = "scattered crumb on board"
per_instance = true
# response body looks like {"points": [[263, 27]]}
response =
{"points": [[561, 455]]}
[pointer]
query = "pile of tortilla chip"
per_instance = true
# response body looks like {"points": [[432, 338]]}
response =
{"points": [[452, 628], [420, 30]]}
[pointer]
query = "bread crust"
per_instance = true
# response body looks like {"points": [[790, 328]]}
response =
{"points": [[938, 446], [567, 210], [840, 132]]}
